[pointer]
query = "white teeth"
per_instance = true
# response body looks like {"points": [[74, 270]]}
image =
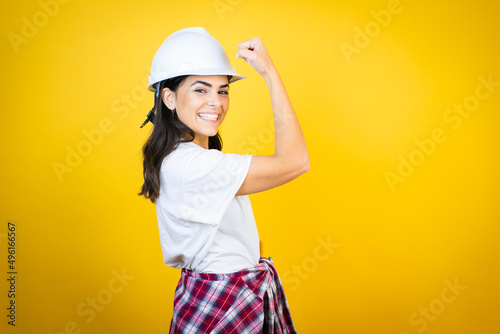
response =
{"points": [[209, 117]]}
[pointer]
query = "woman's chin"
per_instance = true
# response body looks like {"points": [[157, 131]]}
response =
{"points": [[205, 134], [210, 132]]}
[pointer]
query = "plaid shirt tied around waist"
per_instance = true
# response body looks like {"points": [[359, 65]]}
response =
{"points": [[248, 301]]}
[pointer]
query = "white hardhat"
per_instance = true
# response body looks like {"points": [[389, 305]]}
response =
{"points": [[190, 51]]}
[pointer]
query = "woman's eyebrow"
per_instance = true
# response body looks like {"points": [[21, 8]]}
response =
{"points": [[207, 84]]}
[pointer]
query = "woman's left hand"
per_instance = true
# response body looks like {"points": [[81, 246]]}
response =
{"points": [[254, 53]]}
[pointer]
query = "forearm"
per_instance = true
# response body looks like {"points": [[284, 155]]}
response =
{"points": [[290, 157], [289, 142]]}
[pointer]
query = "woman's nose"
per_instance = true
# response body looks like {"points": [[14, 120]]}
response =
{"points": [[214, 100]]}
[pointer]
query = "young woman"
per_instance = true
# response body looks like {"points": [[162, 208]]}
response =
{"points": [[205, 217]]}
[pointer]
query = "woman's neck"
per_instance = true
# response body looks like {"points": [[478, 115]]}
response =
{"points": [[201, 141]]}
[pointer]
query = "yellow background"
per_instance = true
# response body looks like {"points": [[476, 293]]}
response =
{"points": [[394, 250]]}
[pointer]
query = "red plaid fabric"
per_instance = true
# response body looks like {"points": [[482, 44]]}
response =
{"points": [[248, 301]]}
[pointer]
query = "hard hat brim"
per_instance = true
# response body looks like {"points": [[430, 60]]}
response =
{"points": [[234, 77]]}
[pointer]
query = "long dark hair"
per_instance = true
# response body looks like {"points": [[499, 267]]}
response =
{"points": [[168, 132]]}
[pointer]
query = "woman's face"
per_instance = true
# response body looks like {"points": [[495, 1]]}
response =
{"points": [[201, 103]]}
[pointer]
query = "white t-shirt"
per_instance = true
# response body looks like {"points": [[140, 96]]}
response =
{"points": [[203, 226]]}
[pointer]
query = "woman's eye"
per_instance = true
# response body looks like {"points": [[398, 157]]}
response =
{"points": [[223, 92], [199, 90]]}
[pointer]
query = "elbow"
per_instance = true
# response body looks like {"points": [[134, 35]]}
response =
{"points": [[295, 166], [307, 166], [304, 165]]}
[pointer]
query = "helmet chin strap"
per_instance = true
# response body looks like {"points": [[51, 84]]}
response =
{"points": [[151, 114]]}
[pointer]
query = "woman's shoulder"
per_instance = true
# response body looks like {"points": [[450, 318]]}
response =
{"points": [[189, 151], [189, 155], [194, 160]]}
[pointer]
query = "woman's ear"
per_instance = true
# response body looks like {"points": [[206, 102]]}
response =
{"points": [[168, 98]]}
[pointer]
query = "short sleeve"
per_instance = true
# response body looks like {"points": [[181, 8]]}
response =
{"points": [[210, 181], [196, 188]]}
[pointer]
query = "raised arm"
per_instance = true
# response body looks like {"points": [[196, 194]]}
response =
{"points": [[290, 158]]}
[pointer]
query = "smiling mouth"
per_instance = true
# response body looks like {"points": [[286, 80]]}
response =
{"points": [[209, 117]]}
